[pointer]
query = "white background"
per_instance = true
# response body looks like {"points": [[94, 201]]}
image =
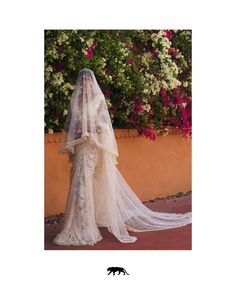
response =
{"points": [[27, 268]]}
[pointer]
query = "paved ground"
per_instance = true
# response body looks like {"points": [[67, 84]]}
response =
{"points": [[171, 239]]}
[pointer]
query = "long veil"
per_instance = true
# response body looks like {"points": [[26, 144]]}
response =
{"points": [[88, 117], [116, 205]]}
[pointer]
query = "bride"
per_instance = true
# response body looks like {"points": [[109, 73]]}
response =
{"points": [[99, 196]]}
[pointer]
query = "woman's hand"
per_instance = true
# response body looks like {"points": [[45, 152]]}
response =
{"points": [[86, 135]]}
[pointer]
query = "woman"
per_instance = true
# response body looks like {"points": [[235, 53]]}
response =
{"points": [[99, 196]]}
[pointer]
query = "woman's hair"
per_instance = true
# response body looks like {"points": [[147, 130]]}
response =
{"points": [[85, 74]]}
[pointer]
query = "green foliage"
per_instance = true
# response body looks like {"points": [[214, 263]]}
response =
{"points": [[132, 67]]}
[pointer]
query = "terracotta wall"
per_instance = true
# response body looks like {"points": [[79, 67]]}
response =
{"points": [[152, 169]]}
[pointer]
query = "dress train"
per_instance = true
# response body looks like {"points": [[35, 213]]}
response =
{"points": [[100, 197]]}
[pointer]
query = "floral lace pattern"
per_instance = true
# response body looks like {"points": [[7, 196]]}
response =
{"points": [[79, 226]]}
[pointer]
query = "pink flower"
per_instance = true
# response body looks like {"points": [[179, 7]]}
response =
{"points": [[130, 61], [112, 110], [168, 34], [163, 92], [154, 53], [173, 51], [187, 124], [148, 132], [176, 92], [133, 119], [189, 108], [178, 101], [183, 114], [92, 46], [134, 47], [138, 106], [139, 109], [141, 129], [59, 67], [187, 98], [177, 98], [106, 93], [149, 117], [89, 53], [167, 101]]}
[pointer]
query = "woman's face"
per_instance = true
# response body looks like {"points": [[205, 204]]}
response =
{"points": [[86, 84], [87, 81]]}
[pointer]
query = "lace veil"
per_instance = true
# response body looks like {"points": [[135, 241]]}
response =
{"points": [[88, 117]]}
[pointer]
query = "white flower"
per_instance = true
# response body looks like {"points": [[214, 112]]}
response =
{"points": [[108, 102], [89, 42], [49, 69], [185, 84], [65, 112], [63, 37], [164, 84], [50, 131], [58, 79], [147, 107], [179, 55], [127, 112]]}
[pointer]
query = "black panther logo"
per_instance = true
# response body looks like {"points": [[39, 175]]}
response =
{"points": [[115, 269]]}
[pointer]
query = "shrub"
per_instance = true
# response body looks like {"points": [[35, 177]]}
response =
{"points": [[145, 76]]}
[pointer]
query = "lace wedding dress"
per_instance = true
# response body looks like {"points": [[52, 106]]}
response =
{"points": [[99, 196]]}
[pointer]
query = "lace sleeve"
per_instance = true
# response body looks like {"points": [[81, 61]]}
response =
{"points": [[101, 118]]}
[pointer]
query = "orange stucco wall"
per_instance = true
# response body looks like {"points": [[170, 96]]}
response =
{"points": [[152, 169]]}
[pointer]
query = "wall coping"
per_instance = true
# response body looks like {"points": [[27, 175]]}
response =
{"points": [[119, 133]]}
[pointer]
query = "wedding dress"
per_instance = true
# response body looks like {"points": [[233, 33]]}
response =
{"points": [[99, 196]]}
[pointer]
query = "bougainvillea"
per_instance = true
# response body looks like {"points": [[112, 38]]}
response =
{"points": [[145, 76]]}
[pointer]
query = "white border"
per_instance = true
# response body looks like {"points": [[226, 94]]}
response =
{"points": [[28, 269]]}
